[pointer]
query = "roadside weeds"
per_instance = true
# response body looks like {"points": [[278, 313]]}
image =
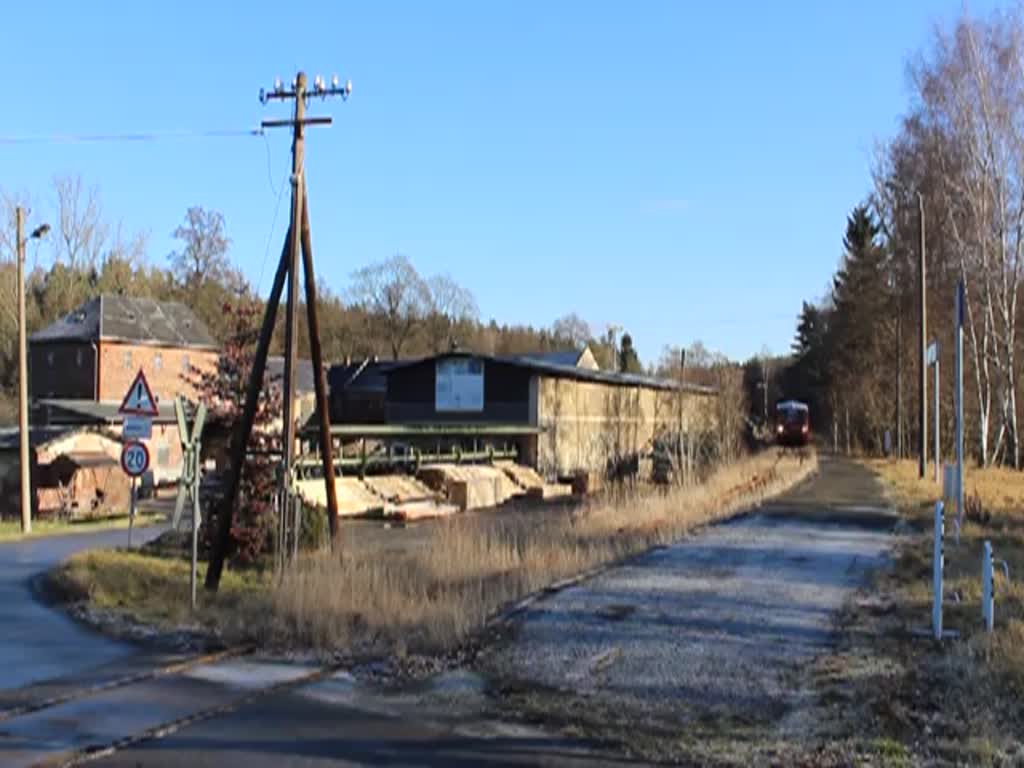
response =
{"points": [[426, 601], [430, 600]]}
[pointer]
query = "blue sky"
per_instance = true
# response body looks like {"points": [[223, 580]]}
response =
{"points": [[680, 169]]}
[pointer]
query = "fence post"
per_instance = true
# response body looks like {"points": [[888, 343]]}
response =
{"points": [[987, 588]]}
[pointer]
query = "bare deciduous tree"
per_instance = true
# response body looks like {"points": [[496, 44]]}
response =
{"points": [[393, 291], [82, 233], [204, 252], [972, 95], [572, 328], [447, 303]]}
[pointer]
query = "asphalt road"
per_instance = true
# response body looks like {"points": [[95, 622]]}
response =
{"points": [[37, 642]]}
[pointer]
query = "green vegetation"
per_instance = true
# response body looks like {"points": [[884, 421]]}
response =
{"points": [[154, 589], [10, 530]]}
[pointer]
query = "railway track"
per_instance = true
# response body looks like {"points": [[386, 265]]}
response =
{"points": [[87, 723]]}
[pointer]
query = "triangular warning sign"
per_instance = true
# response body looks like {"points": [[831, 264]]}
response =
{"points": [[139, 401]]}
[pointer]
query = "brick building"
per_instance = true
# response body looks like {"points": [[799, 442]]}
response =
{"points": [[81, 366], [95, 351]]}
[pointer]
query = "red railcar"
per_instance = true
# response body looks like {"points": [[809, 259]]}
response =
{"points": [[792, 423]]}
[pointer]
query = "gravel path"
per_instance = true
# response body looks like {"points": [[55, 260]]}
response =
{"points": [[718, 624], [718, 627]]}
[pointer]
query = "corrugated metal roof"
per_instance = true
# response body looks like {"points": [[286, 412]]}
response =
{"points": [[10, 437], [124, 318], [573, 372], [365, 376], [60, 411]]}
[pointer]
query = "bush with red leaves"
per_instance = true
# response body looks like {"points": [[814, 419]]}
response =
{"points": [[223, 392]]}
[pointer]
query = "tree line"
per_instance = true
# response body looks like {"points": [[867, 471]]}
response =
{"points": [[957, 162], [388, 310]]}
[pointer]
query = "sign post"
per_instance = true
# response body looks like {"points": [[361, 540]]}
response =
{"points": [[958, 340], [933, 360], [138, 408], [134, 462]]}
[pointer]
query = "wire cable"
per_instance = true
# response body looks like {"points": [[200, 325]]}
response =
{"points": [[270, 235], [121, 138]]}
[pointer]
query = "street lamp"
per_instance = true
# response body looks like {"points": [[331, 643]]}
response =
{"points": [[26, 476]]}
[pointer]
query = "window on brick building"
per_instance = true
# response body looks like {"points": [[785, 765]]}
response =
{"points": [[185, 367], [128, 358], [158, 362]]}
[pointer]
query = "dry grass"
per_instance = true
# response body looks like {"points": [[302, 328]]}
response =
{"points": [[433, 597], [425, 598], [966, 691]]}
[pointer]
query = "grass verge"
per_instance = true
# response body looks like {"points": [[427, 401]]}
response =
{"points": [[154, 590], [10, 530], [957, 701], [430, 597]]}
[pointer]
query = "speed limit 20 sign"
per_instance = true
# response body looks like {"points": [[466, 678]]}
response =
{"points": [[134, 459]]}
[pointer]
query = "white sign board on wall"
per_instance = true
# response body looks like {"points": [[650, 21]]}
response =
{"points": [[459, 385]]}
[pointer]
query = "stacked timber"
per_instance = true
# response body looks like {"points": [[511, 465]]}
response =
{"points": [[469, 486], [354, 498], [407, 498], [531, 482]]}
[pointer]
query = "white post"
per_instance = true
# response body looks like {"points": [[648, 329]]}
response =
{"points": [[988, 607], [193, 575], [959, 341], [938, 445], [937, 563]]}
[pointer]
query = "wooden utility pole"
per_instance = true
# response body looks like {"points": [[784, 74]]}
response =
{"points": [[24, 459], [291, 329], [922, 453], [298, 242], [23, 447]]}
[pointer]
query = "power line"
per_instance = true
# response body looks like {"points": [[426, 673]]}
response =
{"points": [[270, 235], [123, 138]]}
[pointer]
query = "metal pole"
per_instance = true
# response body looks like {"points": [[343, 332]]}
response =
{"points": [[935, 425], [899, 383], [23, 439], [923, 401], [194, 576], [937, 563], [988, 613], [131, 514], [319, 382], [961, 299]]}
